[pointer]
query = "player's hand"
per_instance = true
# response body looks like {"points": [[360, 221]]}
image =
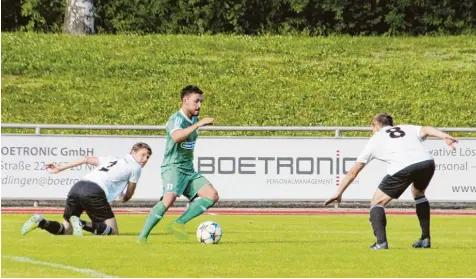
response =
{"points": [[54, 169], [205, 121], [335, 197], [450, 141]]}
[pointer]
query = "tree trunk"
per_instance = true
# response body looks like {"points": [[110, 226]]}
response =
{"points": [[79, 19]]}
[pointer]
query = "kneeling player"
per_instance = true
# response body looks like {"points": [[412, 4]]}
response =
{"points": [[94, 192], [401, 147]]}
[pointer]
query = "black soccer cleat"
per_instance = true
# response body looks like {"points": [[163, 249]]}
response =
{"points": [[422, 243], [379, 246]]}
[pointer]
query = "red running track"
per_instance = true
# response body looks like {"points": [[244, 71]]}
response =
{"points": [[245, 211]]}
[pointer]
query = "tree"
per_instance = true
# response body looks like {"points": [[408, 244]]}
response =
{"points": [[79, 19]]}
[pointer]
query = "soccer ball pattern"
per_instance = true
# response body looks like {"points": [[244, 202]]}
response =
{"points": [[209, 232]]}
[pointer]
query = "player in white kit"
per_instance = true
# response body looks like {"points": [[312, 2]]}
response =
{"points": [[94, 193], [408, 162]]}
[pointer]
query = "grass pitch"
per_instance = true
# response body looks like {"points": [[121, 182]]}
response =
{"points": [[252, 246], [248, 81]]}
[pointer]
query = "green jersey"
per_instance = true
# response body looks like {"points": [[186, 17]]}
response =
{"points": [[180, 154]]}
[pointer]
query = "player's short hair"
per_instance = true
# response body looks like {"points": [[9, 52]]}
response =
{"points": [[384, 119], [141, 145], [190, 89]]}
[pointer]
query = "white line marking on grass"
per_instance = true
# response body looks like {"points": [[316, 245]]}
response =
{"points": [[293, 232], [85, 271], [212, 214]]}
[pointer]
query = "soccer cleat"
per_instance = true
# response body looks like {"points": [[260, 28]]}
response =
{"points": [[31, 224], [422, 243], [379, 246], [178, 230], [141, 240], [77, 226]]}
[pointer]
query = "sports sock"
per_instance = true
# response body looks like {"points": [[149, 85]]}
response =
{"points": [[101, 229], [52, 227], [379, 222], [196, 208], [87, 226], [423, 212], [372, 227], [156, 214]]}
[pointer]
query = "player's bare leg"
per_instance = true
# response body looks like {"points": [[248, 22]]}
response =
{"points": [[378, 219], [112, 223], [67, 228], [423, 212], [155, 215], [207, 196]]}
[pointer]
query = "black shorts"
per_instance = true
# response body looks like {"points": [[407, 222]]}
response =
{"points": [[87, 196], [419, 174]]}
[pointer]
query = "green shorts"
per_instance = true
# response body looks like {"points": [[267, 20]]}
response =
{"points": [[182, 183]]}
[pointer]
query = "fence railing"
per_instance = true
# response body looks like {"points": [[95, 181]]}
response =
{"points": [[336, 129]]}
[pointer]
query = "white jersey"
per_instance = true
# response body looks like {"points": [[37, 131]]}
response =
{"points": [[399, 146], [113, 174]]}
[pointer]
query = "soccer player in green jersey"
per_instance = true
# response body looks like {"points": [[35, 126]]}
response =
{"points": [[178, 174]]}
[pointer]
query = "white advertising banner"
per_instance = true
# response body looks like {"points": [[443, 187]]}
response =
{"points": [[240, 168]]}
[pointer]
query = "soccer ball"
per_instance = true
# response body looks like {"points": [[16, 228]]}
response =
{"points": [[209, 232]]}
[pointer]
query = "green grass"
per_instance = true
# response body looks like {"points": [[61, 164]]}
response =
{"points": [[252, 246], [269, 80]]}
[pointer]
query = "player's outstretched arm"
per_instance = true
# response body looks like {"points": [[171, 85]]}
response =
{"points": [[90, 160], [182, 134], [131, 188], [349, 177], [431, 131]]}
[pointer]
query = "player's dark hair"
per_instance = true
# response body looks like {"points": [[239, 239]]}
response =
{"points": [[190, 89], [384, 119], [141, 145]]}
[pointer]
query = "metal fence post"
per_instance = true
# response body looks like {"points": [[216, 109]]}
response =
{"points": [[337, 133]]}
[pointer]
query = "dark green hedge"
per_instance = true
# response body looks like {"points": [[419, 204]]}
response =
{"points": [[308, 17]]}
